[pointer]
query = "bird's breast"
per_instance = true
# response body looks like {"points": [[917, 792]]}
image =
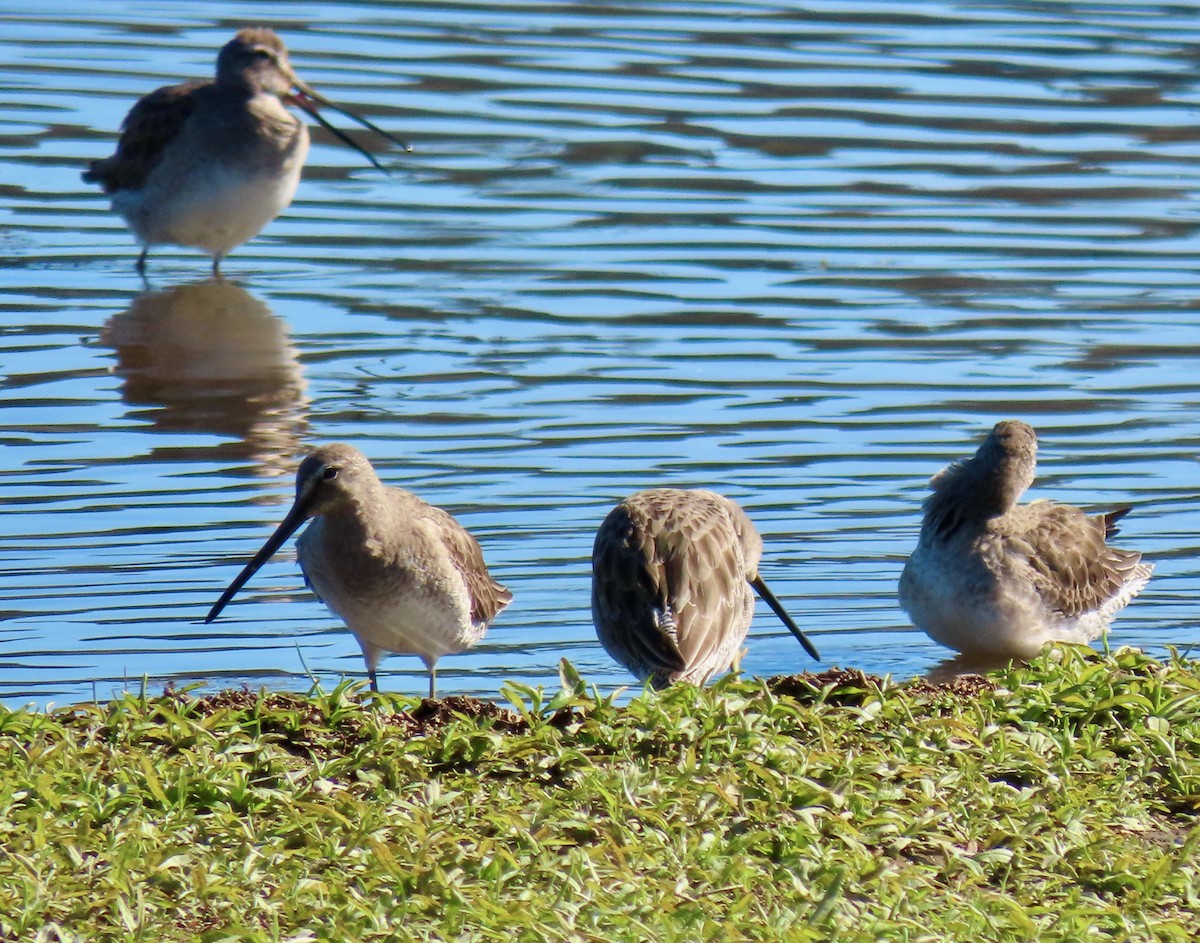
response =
{"points": [[396, 597]]}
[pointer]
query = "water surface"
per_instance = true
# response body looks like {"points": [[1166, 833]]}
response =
{"points": [[804, 256]]}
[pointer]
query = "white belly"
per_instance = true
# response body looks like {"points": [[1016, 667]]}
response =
{"points": [[411, 624], [214, 206], [972, 609], [394, 608]]}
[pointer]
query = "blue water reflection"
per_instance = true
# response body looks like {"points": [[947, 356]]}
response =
{"points": [[802, 257]]}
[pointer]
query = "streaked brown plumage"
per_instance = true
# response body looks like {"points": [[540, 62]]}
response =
{"points": [[672, 572], [404, 575], [994, 578], [208, 163]]}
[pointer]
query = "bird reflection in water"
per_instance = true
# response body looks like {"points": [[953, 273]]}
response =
{"points": [[948, 669], [211, 358]]}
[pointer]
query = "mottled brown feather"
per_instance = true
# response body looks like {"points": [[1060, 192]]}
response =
{"points": [[670, 584], [487, 596], [1072, 567], [636, 586], [1112, 520], [151, 125]]}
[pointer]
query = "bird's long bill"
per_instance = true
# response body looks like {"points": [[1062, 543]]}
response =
{"points": [[308, 99], [288, 526], [777, 607]]}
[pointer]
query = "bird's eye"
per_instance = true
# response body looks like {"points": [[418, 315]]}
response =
{"points": [[330, 473], [261, 54]]}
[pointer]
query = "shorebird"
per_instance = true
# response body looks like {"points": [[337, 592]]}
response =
{"points": [[995, 579], [671, 578], [209, 163], [404, 576]]}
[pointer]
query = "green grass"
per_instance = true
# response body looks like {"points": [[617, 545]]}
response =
{"points": [[1056, 803]]}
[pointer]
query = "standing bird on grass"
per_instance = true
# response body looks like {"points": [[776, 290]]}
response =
{"points": [[209, 163], [672, 573], [992, 578], [404, 575]]}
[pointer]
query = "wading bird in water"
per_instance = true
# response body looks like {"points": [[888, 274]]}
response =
{"points": [[672, 572], [995, 579], [404, 575], [209, 163]]}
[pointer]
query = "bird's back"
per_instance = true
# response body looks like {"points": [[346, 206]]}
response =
{"points": [[670, 597], [152, 124], [1069, 561]]}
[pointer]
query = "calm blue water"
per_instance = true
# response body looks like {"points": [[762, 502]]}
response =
{"points": [[802, 256]]}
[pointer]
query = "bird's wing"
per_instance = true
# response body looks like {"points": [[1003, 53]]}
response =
{"points": [[487, 596], [706, 577], [1072, 566], [152, 124], [667, 583], [307, 581], [630, 603]]}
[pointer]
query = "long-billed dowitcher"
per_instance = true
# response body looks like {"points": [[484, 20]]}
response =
{"points": [[210, 162], [404, 575], [993, 578], [671, 578]]}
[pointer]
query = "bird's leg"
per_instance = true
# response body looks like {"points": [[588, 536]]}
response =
{"points": [[140, 265], [372, 657], [433, 680], [217, 266]]}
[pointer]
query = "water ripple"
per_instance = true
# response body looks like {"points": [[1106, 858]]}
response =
{"points": [[805, 257]]}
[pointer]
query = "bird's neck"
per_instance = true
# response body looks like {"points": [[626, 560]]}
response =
{"points": [[966, 494]]}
